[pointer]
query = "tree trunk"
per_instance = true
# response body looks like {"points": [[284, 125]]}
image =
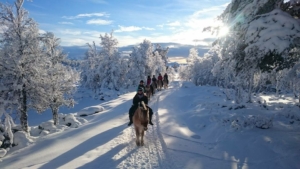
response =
{"points": [[250, 88], [23, 111], [54, 109], [55, 115], [238, 95]]}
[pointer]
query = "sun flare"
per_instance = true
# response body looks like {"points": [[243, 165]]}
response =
{"points": [[223, 31]]}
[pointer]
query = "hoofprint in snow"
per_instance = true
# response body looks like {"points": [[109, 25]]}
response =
{"points": [[194, 127]]}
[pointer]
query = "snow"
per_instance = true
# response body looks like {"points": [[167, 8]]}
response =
{"points": [[194, 127], [277, 37]]}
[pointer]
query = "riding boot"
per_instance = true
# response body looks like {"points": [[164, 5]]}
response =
{"points": [[150, 119], [131, 112], [130, 120]]}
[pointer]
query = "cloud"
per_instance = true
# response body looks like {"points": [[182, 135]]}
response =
{"points": [[172, 24], [98, 22], [131, 28], [66, 23], [183, 30], [70, 32], [86, 15]]}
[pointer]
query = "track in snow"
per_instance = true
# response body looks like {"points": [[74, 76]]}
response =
{"points": [[153, 155]]}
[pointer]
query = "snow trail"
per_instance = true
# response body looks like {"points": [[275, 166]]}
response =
{"points": [[153, 155]]}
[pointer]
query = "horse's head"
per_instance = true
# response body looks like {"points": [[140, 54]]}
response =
{"points": [[145, 114]]}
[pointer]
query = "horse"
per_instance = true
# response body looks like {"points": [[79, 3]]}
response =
{"points": [[165, 83], [159, 84], [140, 121], [148, 91]]}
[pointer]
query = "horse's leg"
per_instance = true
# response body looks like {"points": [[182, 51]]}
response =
{"points": [[137, 133], [142, 137]]}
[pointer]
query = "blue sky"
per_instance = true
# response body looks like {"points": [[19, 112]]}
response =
{"points": [[78, 22]]}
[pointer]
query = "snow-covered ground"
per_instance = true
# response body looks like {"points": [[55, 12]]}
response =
{"points": [[194, 128]]}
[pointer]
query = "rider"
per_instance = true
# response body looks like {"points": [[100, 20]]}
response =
{"points": [[149, 83], [141, 85], [148, 80], [159, 78], [166, 77], [140, 96], [154, 80]]}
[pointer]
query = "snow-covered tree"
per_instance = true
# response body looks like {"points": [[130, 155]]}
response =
{"points": [[145, 62], [101, 68], [260, 39], [22, 61], [146, 51], [110, 77], [137, 66], [90, 68], [193, 56], [158, 64], [61, 80]]}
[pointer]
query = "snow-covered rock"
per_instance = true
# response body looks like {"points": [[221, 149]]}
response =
{"points": [[2, 152], [69, 120], [90, 110], [22, 139]]}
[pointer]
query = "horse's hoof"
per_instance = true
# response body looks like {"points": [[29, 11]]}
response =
{"points": [[145, 128]]}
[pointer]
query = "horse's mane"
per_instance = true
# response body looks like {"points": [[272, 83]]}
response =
{"points": [[143, 105], [142, 108]]}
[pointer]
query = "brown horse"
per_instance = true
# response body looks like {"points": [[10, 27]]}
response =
{"points": [[159, 85], [148, 91], [140, 121], [165, 84]]}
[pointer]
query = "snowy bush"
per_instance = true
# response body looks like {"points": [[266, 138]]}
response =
{"points": [[240, 122], [292, 114], [65, 121], [20, 139]]}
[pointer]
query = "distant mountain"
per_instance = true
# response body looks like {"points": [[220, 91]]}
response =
{"points": [[75, 52], [175, 49]]}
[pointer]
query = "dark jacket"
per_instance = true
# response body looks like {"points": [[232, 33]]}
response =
{"points": [[141, 86], [166, 77], [137, 99]]}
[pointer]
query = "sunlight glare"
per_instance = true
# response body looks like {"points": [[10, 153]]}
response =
{"points": [[223, 31]]}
